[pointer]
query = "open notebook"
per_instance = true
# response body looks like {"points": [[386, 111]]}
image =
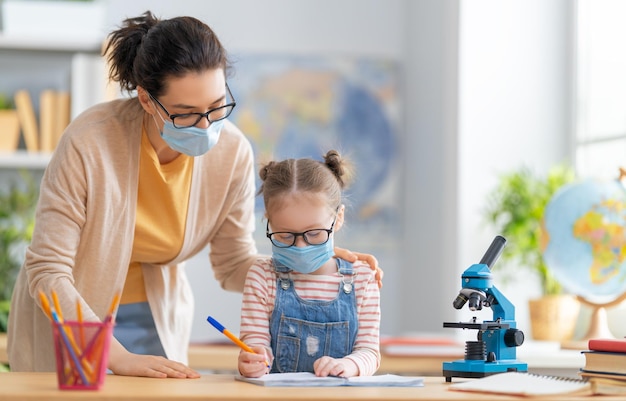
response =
{"points": [[525, 384], [307, 379]]}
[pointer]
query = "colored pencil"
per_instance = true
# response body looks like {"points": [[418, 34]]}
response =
{"points": [[68, 345], [79, 318]]}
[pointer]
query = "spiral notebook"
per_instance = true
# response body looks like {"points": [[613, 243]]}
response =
{"points": [[525, 384], [307, 379]]}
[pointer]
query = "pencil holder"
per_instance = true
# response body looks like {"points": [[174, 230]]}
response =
{"points": [[82, 353]]}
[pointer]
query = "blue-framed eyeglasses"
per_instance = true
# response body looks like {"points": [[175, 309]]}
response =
{"points": [[191, 119], [285, 239]]}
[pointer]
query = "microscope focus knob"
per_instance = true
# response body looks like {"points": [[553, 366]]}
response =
{"points": [[513, 337]]}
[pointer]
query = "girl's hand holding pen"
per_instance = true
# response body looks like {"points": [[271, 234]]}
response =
{"points": [[255, 364]]}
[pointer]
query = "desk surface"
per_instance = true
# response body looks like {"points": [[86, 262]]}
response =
{"points": [[543, 358], [223, 359], [16, 386]]}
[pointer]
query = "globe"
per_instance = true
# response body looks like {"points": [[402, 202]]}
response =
{"points": [[585, 245]]}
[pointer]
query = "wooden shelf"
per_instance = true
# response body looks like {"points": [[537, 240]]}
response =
{"points": [[22, 159], [51, 44]]}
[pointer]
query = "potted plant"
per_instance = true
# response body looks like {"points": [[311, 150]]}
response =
{"points": [[17, 218], [9, 125], [516, 208]]}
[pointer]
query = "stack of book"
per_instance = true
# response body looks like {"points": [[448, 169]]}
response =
{"points": [[605, 364]]}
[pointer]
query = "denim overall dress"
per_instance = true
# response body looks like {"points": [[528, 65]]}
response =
{"points": [[303, 330]]}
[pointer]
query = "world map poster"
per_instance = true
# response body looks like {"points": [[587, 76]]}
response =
{"points": [[303, 106]]}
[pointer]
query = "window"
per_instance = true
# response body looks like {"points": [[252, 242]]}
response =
{"points": [[600, 116]]}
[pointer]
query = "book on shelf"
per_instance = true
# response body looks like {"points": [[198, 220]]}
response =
{"points": [[307, 379], [28, 120], [47, 119], [607, 344], [54, 116], [63, 104]]}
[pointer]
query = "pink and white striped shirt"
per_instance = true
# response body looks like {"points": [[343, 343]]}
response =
{"points": [[259, 296]]}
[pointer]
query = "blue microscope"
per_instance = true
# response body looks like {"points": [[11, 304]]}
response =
{"points": [[494, 350]]}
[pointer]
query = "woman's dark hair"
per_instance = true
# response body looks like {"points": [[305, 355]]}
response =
{"points": [[145, 51]]}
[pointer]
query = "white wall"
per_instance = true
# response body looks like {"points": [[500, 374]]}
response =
{"points": [[486, 89], [515, 84]]}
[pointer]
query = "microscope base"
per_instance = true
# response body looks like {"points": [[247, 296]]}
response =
{"points": [[478, 369]]}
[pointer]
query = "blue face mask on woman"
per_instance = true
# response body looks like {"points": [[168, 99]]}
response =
{"points": [[192, 141], [305, 259]]}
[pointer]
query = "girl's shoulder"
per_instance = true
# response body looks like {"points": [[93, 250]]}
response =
{"points": [[362, 268], [263, 265]]}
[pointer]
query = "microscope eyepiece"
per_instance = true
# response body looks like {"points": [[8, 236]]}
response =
{"points": [[494, 251]]}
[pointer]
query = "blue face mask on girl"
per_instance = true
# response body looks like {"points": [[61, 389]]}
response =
{"points": [[192, 141], [305, 259]]}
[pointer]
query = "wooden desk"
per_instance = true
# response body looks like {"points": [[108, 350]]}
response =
{"points": [[223, 359], [545, 359], [542, 359], [16, 386]]}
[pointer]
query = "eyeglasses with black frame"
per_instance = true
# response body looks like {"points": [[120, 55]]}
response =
{"points": [[285, 239], [191, 119]]}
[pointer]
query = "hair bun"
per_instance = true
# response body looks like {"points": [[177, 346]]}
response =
{"points": [[339, 166]]}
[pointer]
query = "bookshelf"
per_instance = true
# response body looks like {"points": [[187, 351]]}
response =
{"points": [[22, 159], [37, 64], [50, 44]]}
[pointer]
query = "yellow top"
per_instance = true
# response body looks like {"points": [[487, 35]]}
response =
{"points": [[161, 215]]}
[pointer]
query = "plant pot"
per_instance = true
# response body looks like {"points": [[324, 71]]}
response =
{"points": [[9, 130], [553, 317]]}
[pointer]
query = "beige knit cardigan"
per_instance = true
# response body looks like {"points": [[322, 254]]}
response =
{"points": [[84, 229]]}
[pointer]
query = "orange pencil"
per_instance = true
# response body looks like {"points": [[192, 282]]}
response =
{"points": [[232, 337], [79, 318], [68, 333], [113, 306], [57, 306], [45, 304]]}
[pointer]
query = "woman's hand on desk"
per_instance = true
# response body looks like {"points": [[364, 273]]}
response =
{"points": [[124, 363]]}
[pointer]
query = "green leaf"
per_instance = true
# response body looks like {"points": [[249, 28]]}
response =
{"points": [[17, 216], [515, 209]]}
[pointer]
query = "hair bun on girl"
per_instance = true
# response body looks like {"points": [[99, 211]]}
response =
{"points": [[339, 166]]}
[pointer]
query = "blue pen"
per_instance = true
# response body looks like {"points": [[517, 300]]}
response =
{"points": [[232, 337], [70, 350]]}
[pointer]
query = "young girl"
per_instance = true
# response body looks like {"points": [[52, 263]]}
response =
{"points": [[303, 310]]}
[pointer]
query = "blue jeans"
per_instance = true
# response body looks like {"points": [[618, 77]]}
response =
{"points": [[135, 330]]}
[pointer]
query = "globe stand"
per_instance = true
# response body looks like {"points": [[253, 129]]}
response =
{"points": [[598, 326]]}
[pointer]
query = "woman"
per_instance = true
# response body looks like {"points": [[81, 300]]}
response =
{"points": [[136, 187]]}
